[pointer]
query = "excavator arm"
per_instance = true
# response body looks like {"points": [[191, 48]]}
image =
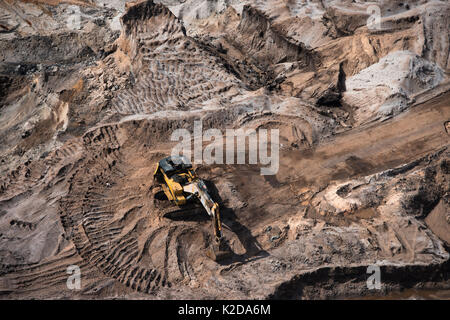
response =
{"points": [[219, 249], [199, 190]]}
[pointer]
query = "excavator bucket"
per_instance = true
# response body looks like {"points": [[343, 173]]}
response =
{"points": [[219, 251]]}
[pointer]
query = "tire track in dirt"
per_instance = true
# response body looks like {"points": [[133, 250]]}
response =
{"points": [[111, 218], [173, 71], [48, 274], [116, 226]]}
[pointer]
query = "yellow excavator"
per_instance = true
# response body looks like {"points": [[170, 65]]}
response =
{"points": [[181, 186]]}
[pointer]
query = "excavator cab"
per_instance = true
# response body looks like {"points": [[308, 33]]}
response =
{"points": [[181, 185], [172, 173]]}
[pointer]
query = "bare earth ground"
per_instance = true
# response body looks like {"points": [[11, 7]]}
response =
{"points": [[86, 113]]}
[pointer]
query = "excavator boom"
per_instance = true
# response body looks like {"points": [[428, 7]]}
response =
{"points": [[198, 189]]}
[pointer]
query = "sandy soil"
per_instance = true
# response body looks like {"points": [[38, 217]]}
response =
{"points": [[83, 129]]}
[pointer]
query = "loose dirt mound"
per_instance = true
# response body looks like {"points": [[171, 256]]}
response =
{"points": [[387, 97]]}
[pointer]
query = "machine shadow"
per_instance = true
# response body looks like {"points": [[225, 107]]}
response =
{"points": [[253, 250]]}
